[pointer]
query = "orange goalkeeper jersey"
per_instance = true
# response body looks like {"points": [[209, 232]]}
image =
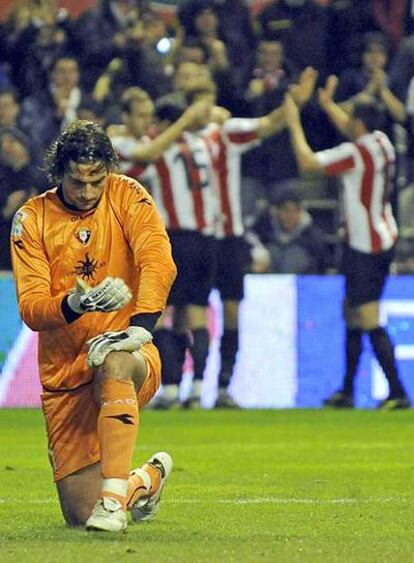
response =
{"points": [[51, 246]]}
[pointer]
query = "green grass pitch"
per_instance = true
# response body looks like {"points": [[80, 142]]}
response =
{"points": [[247, 486]]}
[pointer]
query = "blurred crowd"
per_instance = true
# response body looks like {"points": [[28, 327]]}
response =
{"points": [[54, 69]]}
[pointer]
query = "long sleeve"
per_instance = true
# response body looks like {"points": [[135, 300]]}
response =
{"points": [[39, 308], [150, 245]]}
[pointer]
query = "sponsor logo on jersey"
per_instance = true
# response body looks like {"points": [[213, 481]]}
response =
{"points": [[87, 268], [17, 225], [84, 236]]}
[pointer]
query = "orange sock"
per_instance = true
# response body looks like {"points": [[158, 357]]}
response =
{"points": [[118, 423]]}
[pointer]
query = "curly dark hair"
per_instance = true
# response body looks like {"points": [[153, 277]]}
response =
{"points": [[81, 142]]}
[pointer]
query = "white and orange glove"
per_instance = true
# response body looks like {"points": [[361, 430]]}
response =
{"points": [[110, 295], [129, 340]]}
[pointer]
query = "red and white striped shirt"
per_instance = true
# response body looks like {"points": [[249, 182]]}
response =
{"points": [[182, 181], [125, 146], [366, 168], [227, 144], [183, 185]]}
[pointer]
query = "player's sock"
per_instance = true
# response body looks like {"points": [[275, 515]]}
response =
{"points": [[171, 392], [353, 349], [164, 341], [109, 486], [172, 348], [228, 349], [196, 388], [199, 352], [182, 344], [384, 351], [118, 423]]}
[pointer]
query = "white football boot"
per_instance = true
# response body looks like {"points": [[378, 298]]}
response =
{"points": [[146, 509], [107, 516]]}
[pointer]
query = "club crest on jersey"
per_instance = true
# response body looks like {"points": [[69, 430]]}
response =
{"points": [[84, 236], [17, 225]]}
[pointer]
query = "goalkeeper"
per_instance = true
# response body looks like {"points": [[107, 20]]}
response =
{"points": [[93, 269]]}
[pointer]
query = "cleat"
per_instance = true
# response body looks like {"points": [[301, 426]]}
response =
{"points": [[394, 404], [339, 400], [107, 516], [146, 509], [224, 401]]}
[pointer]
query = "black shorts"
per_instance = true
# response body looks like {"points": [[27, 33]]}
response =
{"points": [[232, 264], [365, 275], [195, 257]]}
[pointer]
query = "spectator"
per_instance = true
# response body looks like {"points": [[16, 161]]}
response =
{"points": [[10, 115], [201, 23], [9, 108], [404, 252], [116, 29], [237, 31], [348, 22], [4, 70], [19, 180], [273, 161], [370, 78], [56, 106], [187, 76], [39, 34], [393, 18], [286, 230], [302, 28], [193, 52], [402, 67], [18, 20], [224, 29], [409, 107]]}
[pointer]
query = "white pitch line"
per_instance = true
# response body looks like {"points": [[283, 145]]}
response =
{"points": [[313, 501], [326, 446], [254, 500]]}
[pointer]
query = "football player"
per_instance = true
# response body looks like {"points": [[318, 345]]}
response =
{"points": [[93, 269]]}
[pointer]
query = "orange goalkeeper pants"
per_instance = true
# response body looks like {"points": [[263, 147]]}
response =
{"points": [[71, 419]]}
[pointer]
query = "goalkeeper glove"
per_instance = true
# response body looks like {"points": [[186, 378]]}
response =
{"points": [[110, 295], [128, 340]]}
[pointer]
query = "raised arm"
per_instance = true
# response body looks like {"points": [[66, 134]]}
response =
{"points": [[305, 156], [337, 114], [379, 88], [394, 106], [301, 92], [149, 152]]}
